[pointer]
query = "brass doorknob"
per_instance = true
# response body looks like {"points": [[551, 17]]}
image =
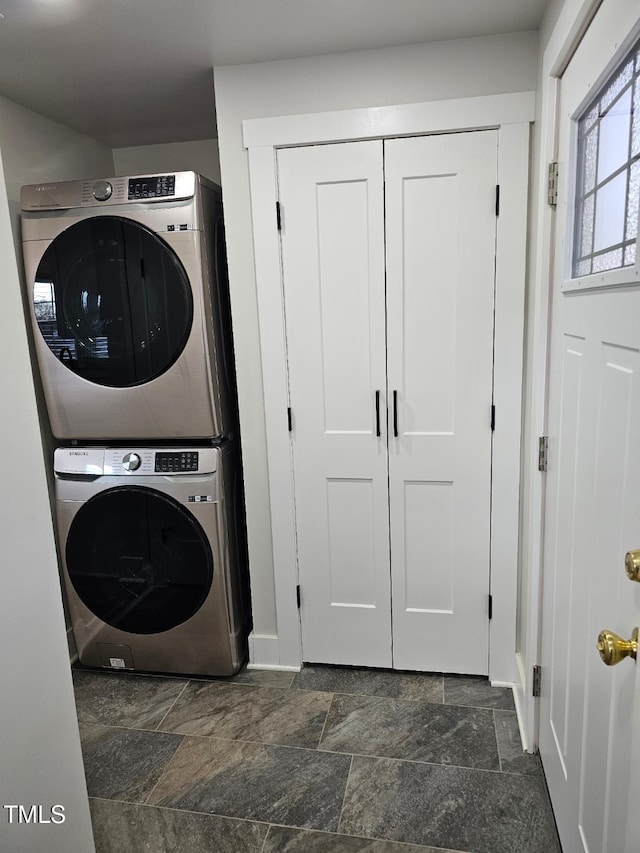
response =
{"points": [[632, 565], [613, 648]]}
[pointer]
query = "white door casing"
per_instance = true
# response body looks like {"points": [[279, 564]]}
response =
{"points": [[511, 114], [440, 208], [590, 714], [440, 229], [334, 281]]}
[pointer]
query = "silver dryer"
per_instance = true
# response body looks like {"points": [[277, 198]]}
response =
{"points": [[127, 286]]}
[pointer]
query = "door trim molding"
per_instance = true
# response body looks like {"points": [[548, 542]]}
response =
{"points": [[511, 114], [573, 21], [455, 114]]}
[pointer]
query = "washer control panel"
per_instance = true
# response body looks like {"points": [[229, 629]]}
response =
{"points": [[174, 463], [125, 461], [102, 190], [131, 461], [136, 461]]}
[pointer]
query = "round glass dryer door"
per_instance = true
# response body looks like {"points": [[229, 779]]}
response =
{"points": [[139, 560], [112, 301]]}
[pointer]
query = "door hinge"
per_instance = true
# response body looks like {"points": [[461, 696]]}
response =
{"points": [[537, 676], [493, 418], [298, 596], [289, 419], [543, 452], [552, 186], [490, 607], [497, 199], [279, 215]]}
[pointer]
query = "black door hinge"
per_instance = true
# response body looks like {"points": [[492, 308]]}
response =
{"points": [[298, 596], [552, 184], [490, 607], [543, 453], [497, 199], [537, 677], [279, 215], [289, 419], [493, 418]]}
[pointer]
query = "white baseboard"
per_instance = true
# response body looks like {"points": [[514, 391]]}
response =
{"points": [[273, 667], [526, 707], [516, 689], [264, 650], [518, 696]]}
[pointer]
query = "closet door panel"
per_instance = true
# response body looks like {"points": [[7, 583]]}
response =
{"points": [[424, 305], [440, 248], [332, 243]]}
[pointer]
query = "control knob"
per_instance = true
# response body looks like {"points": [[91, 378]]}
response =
{"points": [[131, 462], [102, 190]]}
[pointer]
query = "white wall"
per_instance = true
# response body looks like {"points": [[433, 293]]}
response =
{"points": [[35, 148], [197, 156], [464, 68], [40, 754]]}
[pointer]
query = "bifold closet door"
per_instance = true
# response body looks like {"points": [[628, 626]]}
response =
{"points": [[440, 257], [391, 392], [332, 242]]}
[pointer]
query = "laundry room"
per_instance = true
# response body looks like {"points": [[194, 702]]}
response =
{"points": [[276, 347]]}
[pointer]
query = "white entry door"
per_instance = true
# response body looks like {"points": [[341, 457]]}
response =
{"points": [[590, 720], [390, 372]]}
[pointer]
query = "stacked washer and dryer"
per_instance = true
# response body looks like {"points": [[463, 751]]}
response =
{"points": [[128, 292]]}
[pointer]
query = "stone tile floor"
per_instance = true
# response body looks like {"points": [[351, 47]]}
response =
{"points": [[329, 759]]}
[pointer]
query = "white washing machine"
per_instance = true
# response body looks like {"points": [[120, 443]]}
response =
{"points": [[128, 292], [154, 576]]}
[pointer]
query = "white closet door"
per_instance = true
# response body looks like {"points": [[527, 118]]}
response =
{"points": [[334, 280], [440, 232]]}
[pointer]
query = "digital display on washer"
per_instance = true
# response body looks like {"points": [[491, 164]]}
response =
{"points": [[178, 461], [156, 186]]}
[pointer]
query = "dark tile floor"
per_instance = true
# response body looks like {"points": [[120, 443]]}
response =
{"points": [[330, 759]]}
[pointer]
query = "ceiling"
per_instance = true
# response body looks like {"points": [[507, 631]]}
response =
{"points": [[138, 72]]}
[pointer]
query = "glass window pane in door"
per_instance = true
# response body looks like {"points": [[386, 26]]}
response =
{"points": [[610, 210], [608, 180], [634, 202], [613, 150]]}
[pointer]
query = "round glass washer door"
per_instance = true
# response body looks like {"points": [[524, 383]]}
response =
{"points": [[113, 301], [139, 560]]}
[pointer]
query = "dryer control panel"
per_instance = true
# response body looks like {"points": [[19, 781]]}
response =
{"points": [[127, 189], [156, 186]]}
